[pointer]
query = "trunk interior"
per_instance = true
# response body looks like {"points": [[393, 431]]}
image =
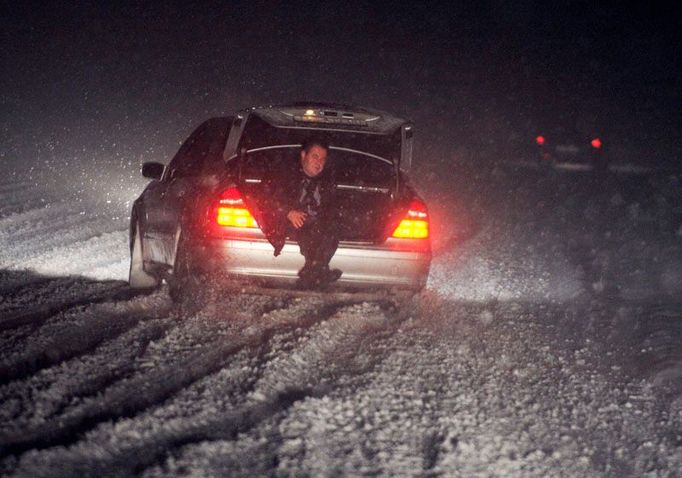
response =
{"points": [[364, 189], [363, 214]]}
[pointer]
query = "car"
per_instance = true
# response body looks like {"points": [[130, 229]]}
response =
{"points": [[199, 216], [569, 149]]}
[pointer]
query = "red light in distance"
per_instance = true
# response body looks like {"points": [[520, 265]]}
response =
{"points": [[596, 143], [540, 140]]}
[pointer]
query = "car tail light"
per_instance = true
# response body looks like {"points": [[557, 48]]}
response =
{"points": [[415, 224], [596, 143], [231, 211]]}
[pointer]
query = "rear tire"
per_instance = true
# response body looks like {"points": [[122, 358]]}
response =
{"points": [[185, 286], [138, 278]]}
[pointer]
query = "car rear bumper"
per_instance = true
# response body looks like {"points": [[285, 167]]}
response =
{"points": [[363, 265]]}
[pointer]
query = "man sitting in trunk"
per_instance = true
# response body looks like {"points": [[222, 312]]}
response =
{"points": [[305, 210]]}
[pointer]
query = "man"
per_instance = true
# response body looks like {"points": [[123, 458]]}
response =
{"points": [[305, 210]]}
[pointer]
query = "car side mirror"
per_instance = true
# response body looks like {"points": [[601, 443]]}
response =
{"points": [[152, 170]]}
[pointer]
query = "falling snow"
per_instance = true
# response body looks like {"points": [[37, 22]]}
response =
{"points": [[511, 362]]}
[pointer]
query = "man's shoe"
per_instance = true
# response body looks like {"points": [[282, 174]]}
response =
{"points": [[328, 276], [308, 277], [305, 283], [317, 278]]}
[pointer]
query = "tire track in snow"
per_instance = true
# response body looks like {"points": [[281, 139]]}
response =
{"points": [[483, 389], [47, 394], [82, 331], [334, 353], [306, 364], [128, 397], [372, 418], [18, 287], [656, 350], [71, 292], [19, 326]]}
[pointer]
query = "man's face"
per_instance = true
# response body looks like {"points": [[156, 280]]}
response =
{"points": [[314, 160]]}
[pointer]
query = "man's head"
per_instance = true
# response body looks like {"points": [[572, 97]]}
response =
{"points": [[314, 155]]}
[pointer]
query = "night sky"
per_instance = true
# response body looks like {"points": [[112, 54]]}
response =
{"points": [[117, 85]]}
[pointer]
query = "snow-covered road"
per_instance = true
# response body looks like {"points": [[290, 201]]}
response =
{"points": [[547, 344]]}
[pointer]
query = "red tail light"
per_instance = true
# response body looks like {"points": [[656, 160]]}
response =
{"points": [[231, 211], [415, 224]]}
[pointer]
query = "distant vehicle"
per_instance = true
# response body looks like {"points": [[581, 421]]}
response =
{"points": [[562, 148], [200, 214]]}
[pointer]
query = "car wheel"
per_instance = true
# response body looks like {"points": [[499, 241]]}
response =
{"points": [[138, 278], [184, 285]]}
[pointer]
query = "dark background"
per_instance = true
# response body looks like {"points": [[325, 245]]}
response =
{"points": [[94, 90]]}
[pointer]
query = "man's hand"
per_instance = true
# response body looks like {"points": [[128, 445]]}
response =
{"points": [[297, 218]]}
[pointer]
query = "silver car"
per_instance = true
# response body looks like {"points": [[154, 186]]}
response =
{"points": [[200, 214]]}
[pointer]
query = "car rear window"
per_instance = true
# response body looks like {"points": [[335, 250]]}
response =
{"points": [[358, 169], [347, 167]]}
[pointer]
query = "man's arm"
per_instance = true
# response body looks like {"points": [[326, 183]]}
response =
{"points": [[296, 218], [284, 204]]}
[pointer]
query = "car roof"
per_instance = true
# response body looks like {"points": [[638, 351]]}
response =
{"points": [[313, 115]]}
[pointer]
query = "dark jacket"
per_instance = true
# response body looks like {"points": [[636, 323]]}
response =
{"points": [[286, 189]]}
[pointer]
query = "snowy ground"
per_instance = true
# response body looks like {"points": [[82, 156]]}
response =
{"points": [[548, 343]]}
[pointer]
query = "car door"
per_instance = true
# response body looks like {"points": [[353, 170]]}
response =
{"points": [[164, 204]]}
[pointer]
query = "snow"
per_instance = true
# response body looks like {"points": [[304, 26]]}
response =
{"points": [[547, 343], [59, 237], [507, 271]]}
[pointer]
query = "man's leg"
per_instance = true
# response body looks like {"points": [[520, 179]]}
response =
{"points": [[325, 253], [318, 245], [307, 246], [327, 243]]}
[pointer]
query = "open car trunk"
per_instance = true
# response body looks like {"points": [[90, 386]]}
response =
{"points": [[363, 214], [366, 186]]}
